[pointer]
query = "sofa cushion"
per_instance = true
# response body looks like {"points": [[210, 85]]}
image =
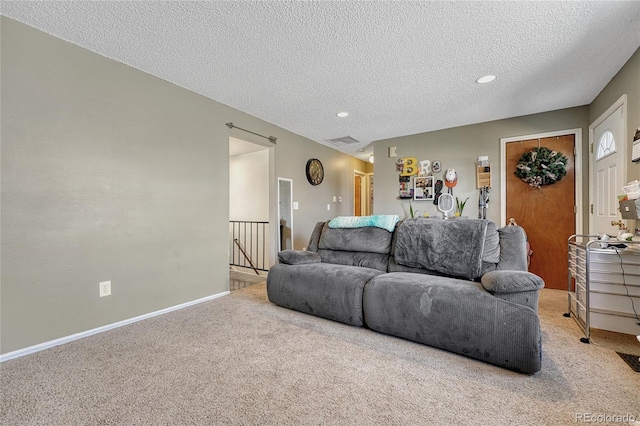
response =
{"points": [[314, 240], [322, 289], [298, 257], [458, 316], [511, 281], [513, 249], [368, 239], [454, 247], [355, 258]]}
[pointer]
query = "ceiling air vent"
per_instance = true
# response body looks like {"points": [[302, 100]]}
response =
{"points": [[345, 140]]}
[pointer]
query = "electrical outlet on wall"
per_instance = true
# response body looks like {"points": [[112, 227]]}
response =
{"points": [[105, 288]]}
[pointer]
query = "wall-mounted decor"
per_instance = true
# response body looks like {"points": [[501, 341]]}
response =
{"points": [[436, 166], [437, 190], [483, 172], [425, 168], [406, 189], [423, 188], [635, 150], [314, 171], [410, 166], [450, 180], [541, 166]]}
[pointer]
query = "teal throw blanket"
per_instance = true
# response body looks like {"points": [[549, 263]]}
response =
{"points": [[383, 221]]}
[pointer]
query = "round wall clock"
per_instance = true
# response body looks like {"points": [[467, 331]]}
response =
{"points": [[315, 171]]}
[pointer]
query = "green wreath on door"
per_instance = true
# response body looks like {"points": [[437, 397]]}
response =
{"points": [[541, 166]]}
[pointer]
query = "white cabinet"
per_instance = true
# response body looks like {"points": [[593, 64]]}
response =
{"points": [[604, 285]]}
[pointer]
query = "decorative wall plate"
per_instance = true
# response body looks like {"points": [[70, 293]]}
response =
{"points": [[315, 171]]}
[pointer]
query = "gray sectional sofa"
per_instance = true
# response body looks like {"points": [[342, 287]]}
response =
{"points": [[461, 285]]}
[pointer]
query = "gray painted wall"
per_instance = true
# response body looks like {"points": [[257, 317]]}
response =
{"points": [[626, 81], [249, 186], [459, 148], [313, 200], [109, 173]]}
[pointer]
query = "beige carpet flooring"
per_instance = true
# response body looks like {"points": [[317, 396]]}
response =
{"points": [[242, 279], [240, 360]]}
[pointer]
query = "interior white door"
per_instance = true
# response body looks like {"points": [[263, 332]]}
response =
{"points": [[607, 165]]}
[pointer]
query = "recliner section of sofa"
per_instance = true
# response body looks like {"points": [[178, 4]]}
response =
{"points": [[322, 289], [457, 316]]}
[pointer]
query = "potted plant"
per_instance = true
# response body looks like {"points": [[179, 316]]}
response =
{"points": [[412, 213], [460, 206]]}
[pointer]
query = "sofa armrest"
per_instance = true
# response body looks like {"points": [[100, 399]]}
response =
{"points": [[519, 287], [298, 257], [503, 282]]}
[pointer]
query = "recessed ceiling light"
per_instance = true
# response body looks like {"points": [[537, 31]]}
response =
{"points": [[342, 114], [486, 79]]}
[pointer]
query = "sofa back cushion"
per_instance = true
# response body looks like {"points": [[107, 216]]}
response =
{"points": [[367, 240], [513, 251], [457, 248], [355, 258]]}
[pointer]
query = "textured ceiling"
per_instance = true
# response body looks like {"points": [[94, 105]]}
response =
{"points": [[398, 68]]}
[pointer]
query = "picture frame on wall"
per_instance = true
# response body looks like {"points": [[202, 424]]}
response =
{"points": [[423, 188], [406, 188]]}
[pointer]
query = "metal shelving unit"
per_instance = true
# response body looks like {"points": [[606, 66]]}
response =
{"points": [[606, 275]]}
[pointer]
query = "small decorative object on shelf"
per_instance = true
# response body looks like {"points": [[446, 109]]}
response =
{"points": [[541, 166], [460, 207]]}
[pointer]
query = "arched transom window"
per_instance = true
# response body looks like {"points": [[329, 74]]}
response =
{"points": [[606, 146]]}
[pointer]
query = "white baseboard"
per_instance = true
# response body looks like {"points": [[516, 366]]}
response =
{"points": [[71, 338]]}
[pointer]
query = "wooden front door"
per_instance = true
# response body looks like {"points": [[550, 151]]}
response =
{"points": [[547, 213], [357, 195]]}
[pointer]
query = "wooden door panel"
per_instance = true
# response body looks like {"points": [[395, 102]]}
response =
{"points": [[547, 213], [357, 196]]}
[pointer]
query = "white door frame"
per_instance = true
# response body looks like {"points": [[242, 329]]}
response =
{"points": [[577, 167], [280, 179], [621, 102]]}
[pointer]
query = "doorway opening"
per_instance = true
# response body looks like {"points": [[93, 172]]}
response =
{"points": [[249, 207], [285, 213], [362, 193]]}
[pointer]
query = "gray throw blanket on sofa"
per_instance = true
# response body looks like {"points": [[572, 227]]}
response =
{"points": [[453, 247]]}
